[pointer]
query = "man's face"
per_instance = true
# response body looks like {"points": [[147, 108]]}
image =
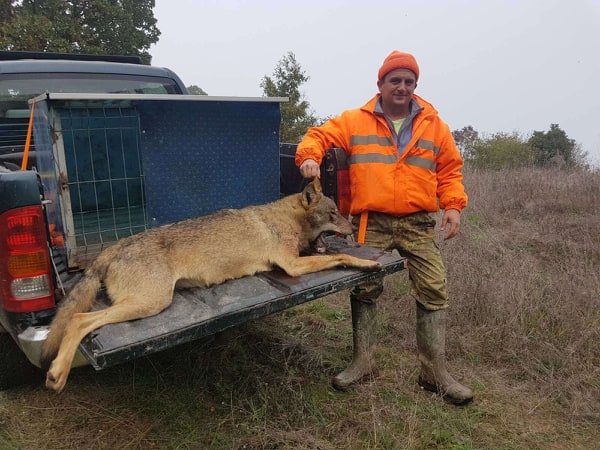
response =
{"points": [[397, 89]]}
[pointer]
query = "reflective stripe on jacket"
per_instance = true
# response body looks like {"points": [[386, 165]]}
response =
{"points": [[383, 180]]}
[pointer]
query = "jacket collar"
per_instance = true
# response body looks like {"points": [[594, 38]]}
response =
{"points": [[417, 106]]}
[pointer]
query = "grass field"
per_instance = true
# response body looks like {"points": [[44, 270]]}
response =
{"points": [[523, 333]]}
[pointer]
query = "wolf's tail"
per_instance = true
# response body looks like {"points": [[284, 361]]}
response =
{"points": [[80, 299]]}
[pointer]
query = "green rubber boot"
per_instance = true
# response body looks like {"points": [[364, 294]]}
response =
{"points": [[364, 324], [431, 339]]}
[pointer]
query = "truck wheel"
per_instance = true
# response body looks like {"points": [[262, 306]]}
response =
{"points": [[15, 368]]}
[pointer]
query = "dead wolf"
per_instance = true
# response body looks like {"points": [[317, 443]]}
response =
{"points": [[140, 272]]}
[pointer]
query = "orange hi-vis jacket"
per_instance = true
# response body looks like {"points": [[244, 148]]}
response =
{"points": [[387, 180]]}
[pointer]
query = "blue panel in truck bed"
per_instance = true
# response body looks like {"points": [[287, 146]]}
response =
{"points": [[199, 157]]}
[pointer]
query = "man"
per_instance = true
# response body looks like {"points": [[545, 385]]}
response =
{"points": [[403, 163]]}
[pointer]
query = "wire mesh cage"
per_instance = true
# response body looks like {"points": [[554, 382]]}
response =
{"points": [[106, 182], [95, 161]]}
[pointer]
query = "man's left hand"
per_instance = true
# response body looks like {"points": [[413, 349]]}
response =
{"points": [[451, 217]]}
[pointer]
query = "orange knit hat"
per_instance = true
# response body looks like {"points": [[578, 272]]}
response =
{"points": [[398, 60]]}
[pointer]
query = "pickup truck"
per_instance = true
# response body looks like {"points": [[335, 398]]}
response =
{"points": [[94, 149]]}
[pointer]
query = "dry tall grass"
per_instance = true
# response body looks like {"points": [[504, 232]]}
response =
{"points": [[525, 276]]}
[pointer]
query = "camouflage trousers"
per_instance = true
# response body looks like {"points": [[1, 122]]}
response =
{"points": [[413, 236]]}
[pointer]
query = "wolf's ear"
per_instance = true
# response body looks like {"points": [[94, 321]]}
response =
{"points": [[317, 184], [312, 193]]}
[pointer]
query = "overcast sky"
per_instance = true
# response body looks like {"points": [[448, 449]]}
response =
{"points": [[498, 65]]}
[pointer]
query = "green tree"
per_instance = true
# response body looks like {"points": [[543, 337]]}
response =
{"points": [[296, 115], [466, 139], [501, 151], [6, 11], [554, 147], [196, 90], [125, 27]]}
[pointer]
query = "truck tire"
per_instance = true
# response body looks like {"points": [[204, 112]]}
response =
{"points": [[15, 368]]}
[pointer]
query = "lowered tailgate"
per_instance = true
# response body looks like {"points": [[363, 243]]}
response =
{"points": [[200, 312]]}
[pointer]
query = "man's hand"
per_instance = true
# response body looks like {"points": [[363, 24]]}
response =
{"points": [[451, 217], [310, 169]]}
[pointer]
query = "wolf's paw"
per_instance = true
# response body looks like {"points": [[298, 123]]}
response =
{"points": [[368, 265], [56, 379], [375, 266]]}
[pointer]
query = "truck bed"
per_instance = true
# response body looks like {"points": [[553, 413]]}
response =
{"points": [[200, 312]]}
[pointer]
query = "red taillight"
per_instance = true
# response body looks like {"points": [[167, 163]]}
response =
{"points": [[343, 191], [25, 270]]}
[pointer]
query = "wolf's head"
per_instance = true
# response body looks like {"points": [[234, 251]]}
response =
{"points": [[322, 215]]}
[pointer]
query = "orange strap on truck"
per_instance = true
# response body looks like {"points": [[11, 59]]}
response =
{"points": [[28, 139], [362, 227]]}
